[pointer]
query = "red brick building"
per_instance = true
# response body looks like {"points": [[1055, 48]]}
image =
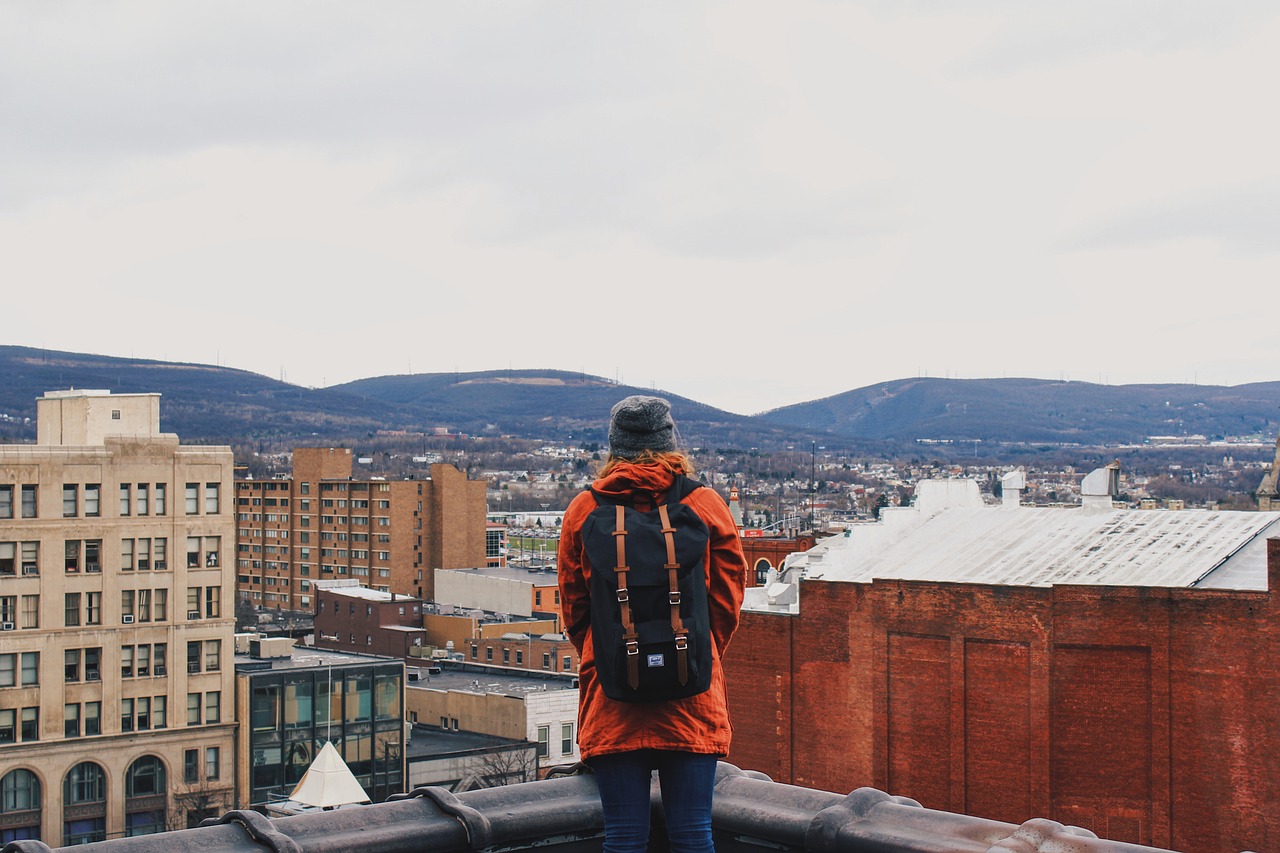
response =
{"points": [[543, 652], [323, 524], [367, 621], [1144, 713]]}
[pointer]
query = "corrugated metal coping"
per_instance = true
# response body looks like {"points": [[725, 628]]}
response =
{"points": [[750, 813], [1037, 546]]}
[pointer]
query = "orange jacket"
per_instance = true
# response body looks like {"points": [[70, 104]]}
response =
{"points": [[695, 724]]}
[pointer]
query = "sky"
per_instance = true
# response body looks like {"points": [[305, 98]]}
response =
{"points": [[748, 204]]}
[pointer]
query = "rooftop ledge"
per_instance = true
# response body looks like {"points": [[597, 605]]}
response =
{"points": [[562, 813]]}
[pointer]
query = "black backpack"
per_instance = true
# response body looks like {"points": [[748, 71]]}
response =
{"points": [[649, 620]]}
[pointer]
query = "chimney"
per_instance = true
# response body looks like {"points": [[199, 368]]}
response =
{"points": [[1099, 488], [1012, 485]]}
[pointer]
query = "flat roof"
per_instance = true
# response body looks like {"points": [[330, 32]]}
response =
{"points": [[503, 681], [303, 657]]}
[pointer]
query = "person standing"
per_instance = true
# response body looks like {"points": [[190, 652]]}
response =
{"points": [[682, 739]]}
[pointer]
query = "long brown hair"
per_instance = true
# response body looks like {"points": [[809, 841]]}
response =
{"points": [[673, 460]]}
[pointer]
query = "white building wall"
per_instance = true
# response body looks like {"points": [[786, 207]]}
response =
{"points": [[555, 709], [469, 589]]}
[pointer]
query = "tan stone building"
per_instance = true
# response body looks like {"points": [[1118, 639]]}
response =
{"points": [[323, 524], [116, 686]]}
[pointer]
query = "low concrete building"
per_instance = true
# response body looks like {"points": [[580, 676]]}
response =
{"points": [[542, 709]]}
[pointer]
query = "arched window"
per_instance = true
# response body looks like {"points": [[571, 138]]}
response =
{"points": [[762, 571], [19, 806], [145, 796], [84, 805]]}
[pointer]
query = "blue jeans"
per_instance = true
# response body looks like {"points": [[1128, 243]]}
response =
{"points": [[686, 779]]}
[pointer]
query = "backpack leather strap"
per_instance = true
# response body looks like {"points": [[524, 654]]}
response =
{"points": [[629, 634], [673, 595]]}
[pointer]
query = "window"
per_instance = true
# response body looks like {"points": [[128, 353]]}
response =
{"points": [[212, 602], [70, 500], [8, 559], [544, 741], [568, 663], [93, 608], [71, 720], [29, 502], [193, 655], [566, 738], [71, 550], [126, 661], [190, 766], [126, 555], [30, 611], [160, 604], [9, 609], [30, 724], [93, 499], [161, 503], [6, 501], [159, 657], [71, 665], [30, 668], [546, 660], [31, 558], [506, 656], [160, 551], [142, 499], [124, 499], [212, 762], [126, 606], [144, 605], [211, 498], [93, 664], [488, 653], [212, 655], [92, 719], [93, 556], [213, 706], [126, 715], [71, 610], [8, 670], [193, 709], [193, 602], [193, 498]]}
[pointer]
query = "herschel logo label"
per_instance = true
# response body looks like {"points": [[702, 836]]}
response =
{"points": [[657, 660]]}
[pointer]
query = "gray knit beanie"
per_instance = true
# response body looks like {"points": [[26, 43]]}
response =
{"points": [[641, 423]]}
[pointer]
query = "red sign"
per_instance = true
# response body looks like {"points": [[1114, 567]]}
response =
{"points": [[752, 534]]}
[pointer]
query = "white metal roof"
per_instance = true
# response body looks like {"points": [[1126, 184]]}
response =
{"points": [[1038, 546]]}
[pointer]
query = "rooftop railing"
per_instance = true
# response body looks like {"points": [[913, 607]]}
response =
{"points": [[562, 814]]}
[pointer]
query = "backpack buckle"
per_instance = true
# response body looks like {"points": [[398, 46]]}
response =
{"points": [[624, 594], [633, 648], [673, 597], [682, 642]]}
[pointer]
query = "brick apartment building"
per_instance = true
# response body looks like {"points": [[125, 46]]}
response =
{"points": [[323, 524], [116, 688], [1016, 683]]}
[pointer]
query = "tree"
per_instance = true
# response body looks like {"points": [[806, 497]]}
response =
{"points": [[509, 765], [195, 802]]}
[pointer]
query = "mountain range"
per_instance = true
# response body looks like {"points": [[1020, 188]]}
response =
{"points": [[206, 403]]}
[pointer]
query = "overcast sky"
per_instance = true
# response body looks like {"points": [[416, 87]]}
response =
{"points": [[749, 204]]}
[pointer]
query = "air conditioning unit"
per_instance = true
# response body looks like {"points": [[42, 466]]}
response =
{"points": [[193, 614], [6, 626], [30, 569], [193, 666], [161, 565], [93, 567], [159, 670], [127, 619], [91, 675]]}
